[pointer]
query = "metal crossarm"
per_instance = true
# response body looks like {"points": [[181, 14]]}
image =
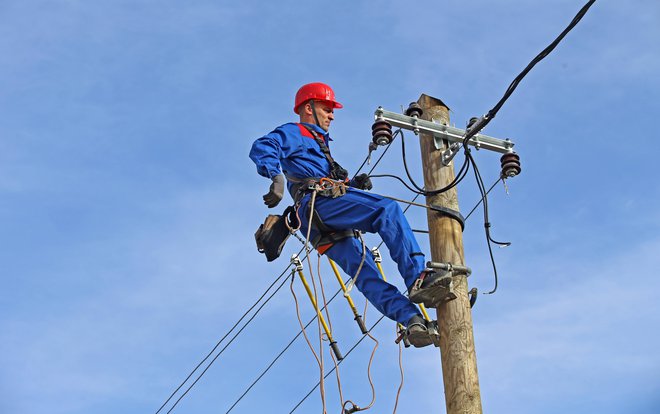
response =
{"points": [[443, 132]]}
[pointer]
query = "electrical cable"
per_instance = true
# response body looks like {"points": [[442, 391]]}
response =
{"points": [[309, 344], [387, 147], [330, 372], [462, 172], [457, 179], [225, 347], [487, 224], [293, 340], [478, 126], [483, 121], [316, 301], [327, 316], [482, 198], [225, 336], [286, 348]]}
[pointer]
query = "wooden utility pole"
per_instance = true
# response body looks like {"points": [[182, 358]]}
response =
{"points": [[459, 361]]}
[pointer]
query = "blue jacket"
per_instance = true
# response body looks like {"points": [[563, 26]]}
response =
{"points": [[291, 149]]}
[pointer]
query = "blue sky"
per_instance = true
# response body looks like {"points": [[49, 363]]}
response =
{"points": [[128, 203]]}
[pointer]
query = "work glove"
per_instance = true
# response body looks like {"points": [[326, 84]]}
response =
{"points": [[362, 181], [276, 192]]}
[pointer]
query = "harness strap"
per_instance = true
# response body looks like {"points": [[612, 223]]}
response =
{"points": [[324, 148], [337, 172]]}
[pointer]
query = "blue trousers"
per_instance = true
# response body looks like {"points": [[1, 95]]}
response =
{"points": [[371, 213]]}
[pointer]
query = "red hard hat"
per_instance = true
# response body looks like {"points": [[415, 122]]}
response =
{"points": [[317, 91]]}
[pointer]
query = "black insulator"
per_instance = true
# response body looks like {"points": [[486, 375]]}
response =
{"points": [[379, 123], [414, 110], [472, 121], [510, 165], [381, 132]]}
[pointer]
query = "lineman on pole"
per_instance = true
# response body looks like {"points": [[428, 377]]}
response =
{"points": [[299, 152]]}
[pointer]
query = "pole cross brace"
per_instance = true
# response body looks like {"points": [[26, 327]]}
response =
{"points": [[444, 132]]}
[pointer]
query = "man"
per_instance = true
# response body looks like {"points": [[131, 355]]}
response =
{"points": [[300, 151]]}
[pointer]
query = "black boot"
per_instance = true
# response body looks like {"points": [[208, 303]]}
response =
{"points": [[417, 332]]}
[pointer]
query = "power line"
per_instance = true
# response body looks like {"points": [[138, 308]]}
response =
{"points": [[223, 338], [333, 368], [484, 120], [472, 130], [225, 347], [286, 348]]}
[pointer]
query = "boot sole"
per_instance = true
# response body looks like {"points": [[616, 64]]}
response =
{"points": [[420, 339], [441, 290]]}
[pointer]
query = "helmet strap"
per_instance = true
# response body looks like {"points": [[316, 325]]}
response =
{"points": [[316, 118]]}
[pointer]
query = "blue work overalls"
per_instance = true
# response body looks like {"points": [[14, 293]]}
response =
{"points": [[293, 148]]}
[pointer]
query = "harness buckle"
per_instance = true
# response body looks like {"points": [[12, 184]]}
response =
{"points": [[330, 188]]}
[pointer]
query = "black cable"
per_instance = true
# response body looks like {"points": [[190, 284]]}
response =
{"points": [[483, 121], [286, 348], [398, 131], [225, 347], [482, 198], [400, 180], [224, 337], [478, 126], [487, 225], [457, 179], [338, 363]]}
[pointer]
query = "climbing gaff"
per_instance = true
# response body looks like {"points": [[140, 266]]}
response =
{"points": [[358, 317], [295, 260], [378, 259]]}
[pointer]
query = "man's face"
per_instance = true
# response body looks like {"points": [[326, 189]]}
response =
{"points": [[325, 114]]}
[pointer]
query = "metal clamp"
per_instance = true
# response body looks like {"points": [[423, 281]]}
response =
{"points": [[295, 260], [376, 254], [448, 267]]}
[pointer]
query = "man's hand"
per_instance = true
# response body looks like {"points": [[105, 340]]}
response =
{"points": [[362, 181], [276, 192]]}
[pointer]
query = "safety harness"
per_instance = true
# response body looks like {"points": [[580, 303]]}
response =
{"points": [[272, 235], [332, 186]]}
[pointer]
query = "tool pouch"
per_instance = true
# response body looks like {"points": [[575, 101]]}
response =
{"points": [[273, 234]]}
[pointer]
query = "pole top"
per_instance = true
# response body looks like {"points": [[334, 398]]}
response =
{"points": [[428, 101]]}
